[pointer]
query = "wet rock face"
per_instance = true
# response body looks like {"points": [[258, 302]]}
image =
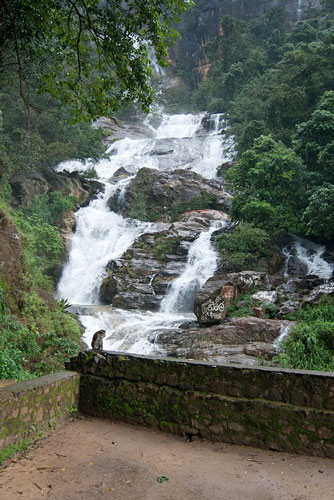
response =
{"points": [[142, 276], [218, 293], [234, 339], [163, 196], [319, 292], [28, 185]]}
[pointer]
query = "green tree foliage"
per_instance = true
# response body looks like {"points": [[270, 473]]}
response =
{"points": [[241, 53], [309, 347], [41, 136], [315, 141], [310, 343], [268, 181], [92, 54], [319, 214], [246, 247]]}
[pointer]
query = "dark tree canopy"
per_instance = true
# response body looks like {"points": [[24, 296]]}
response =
{"points": [[90, 54]]}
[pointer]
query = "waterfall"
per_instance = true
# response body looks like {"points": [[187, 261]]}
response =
{"points": [[178, 141], [308, 255], [283, 334], [201, 265], [179, 126], [299, 10], [100, 236]]}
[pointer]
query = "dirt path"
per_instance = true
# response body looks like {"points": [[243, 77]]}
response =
{"points": [[89, 458]]}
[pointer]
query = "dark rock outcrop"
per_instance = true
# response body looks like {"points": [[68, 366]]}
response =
{"points": [[234, 337], [319, 292], [141, 277], [218, 293], [28, 185], [163, 196]]}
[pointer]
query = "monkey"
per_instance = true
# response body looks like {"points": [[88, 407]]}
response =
{"points": [[97, 341]]}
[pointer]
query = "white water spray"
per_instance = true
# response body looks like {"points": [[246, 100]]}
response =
{"points": [[299, 10], [201, 265], [310, 255], [285, 329]]}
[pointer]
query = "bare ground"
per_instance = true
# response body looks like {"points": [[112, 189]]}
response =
{"points": [[89, 458]]}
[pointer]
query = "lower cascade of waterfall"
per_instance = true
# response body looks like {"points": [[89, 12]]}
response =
{"points": [[129, 331], [191, 142]]}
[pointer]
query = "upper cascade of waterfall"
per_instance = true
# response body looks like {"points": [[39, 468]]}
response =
{"points": [[179, 126], [178, 141], [310, 256]]}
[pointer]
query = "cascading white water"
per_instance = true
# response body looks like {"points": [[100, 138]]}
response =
{"points": [[285, 329], [179, 126], [310, 256], [101, 235], [130, 329], [299, 10], [201, 265]]}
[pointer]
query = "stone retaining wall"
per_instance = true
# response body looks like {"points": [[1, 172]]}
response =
{"points": [[264, 407], [29, 408]]}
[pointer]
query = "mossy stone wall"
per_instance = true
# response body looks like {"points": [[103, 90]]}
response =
{"points": [[264, 407], [27, 409]]}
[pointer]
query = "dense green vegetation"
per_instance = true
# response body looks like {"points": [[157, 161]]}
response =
{"points": [[35, 340], [37, 336], [275, 79], [246, 247], [310, 343], [85, 49]]}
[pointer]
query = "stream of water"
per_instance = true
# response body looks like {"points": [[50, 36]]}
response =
{"points": [[186, 141], [309, 256], [299, 10]]}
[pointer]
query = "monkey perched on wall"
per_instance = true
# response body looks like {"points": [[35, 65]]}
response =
{"points": [[97, 340]]}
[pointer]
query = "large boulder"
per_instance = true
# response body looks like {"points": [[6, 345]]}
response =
{"points": [[235, 340], [319, 292], [218, 293], [28, 185], [141, 277], [163, 196]]}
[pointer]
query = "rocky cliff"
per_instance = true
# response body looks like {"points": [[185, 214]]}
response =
{"points": [[203, 23]]}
